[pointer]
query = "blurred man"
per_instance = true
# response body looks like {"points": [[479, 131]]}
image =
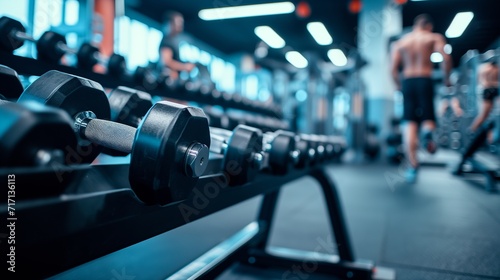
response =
{"points": [[170, 62], [412, 52], [488, 80]]}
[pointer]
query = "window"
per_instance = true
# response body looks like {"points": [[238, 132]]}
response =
{"points": [[71, 12], [140, 50], [48, 13], [222, 73]]}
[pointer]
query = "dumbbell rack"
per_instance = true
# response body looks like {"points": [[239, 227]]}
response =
{"points": [[33, 67], [98, 214]]}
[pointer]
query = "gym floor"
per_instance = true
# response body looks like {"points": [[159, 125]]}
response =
{"points": [[443, 227]]}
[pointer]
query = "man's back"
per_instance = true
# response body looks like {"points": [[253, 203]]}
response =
{"points": [[415, 49], [488, 75]]}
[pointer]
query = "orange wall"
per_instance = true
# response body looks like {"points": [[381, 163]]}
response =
{"points": [[105, 9]]}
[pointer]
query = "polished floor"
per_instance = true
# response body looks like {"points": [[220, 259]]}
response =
{"points": [[443, 227]]}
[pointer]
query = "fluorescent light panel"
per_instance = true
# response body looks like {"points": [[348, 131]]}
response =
{"points": [[269, 36], [459, 24], [319, 33], [436, 57], [337, 57], [296, 59], [247, 11], [448, 49]]}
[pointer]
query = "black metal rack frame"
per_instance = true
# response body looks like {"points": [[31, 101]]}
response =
{"points": [[98, 214], [33, 67]]}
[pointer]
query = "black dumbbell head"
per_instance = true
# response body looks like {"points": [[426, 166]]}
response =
{"points": [[7, 27], [47, 47], [161, 141], [87, 56], [74, 95], [128, 105], [279, 155], [239, 163], [117, 66], [10, 85], [29, 128], [145, 77], [304, 148]]}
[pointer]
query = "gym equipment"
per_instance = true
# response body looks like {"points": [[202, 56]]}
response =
{"points": [[394, 141], [129, 106], [318, 150], [10, 85], [166, 161], [51, 47], [88, 56], [281, 151], [34, 135], [307, 152], [242, 149], [476, 166], [371, 145], [145, 77], [74, 95]]}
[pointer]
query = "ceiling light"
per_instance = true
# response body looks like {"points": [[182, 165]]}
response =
{"points": [[459, 24], [296, 59], [447, 49], [337, 57], [436, 57], [319, 33], [269, 36], [247, 11]]}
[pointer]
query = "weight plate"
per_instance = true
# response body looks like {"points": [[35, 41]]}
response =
{"points": [[157, 173], [30, 128], [73, 94], [239, 161]]}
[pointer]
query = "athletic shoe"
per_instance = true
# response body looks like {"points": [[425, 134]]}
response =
{"points": [[411, 175]]}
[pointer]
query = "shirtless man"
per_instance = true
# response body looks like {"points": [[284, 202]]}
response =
{"points": [[488, 79], [413, 53]]}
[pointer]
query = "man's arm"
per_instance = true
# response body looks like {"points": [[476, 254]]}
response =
{"points": [[395, 64], [446, 65], [167, 57]]}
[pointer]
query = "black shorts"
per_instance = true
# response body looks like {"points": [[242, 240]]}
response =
{"points": [[418, 99], [490, 94]]}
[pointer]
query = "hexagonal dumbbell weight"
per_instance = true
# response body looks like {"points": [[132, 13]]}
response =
{"points": [[10, 85], [34, 135]]}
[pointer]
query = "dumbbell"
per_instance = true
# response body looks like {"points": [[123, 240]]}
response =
{"points": [[128, 106], [88, 56], [282, 152], [277, 152], [339, 146], [319, 149], [327, 145], [51, 47], [242, 150], [169, 149], [145, 77], [10, 84], [34, 135], [307, 153]]}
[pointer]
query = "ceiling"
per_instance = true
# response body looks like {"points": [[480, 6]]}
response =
{"points": [[236, 35]]}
